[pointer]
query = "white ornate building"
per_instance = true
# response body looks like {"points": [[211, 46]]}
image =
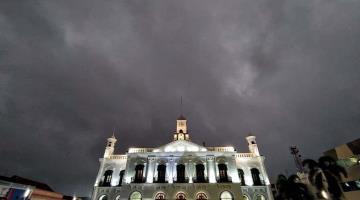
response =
{"points": [[183, 170]]}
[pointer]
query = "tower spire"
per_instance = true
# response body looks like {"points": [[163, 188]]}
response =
{"points": [[110, 145], [181, 126], [253, 148], [181, 105]]}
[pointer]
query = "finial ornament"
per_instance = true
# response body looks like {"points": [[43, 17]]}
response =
{"points": [[113, 133]]}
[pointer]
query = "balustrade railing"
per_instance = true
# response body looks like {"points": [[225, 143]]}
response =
{"points": [[140, 150], [120, 157], [244, 155], [221, 149]]}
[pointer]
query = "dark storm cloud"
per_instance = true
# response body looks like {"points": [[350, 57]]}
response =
{"points": [[288, 71]]}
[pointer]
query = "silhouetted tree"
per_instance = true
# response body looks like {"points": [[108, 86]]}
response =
{"points": [[333, 173], [317, 179], [282, 187], [297, 190]]}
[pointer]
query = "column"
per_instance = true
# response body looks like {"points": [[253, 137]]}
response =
{"points": [[150, 169], [232, 170], [171, 170], [100, 173], [211, 168], [187, 170], [263, 171], [145, 172], [129, 171], [191, 171], [205, 169]]}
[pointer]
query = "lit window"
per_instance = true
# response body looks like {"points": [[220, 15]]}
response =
{"points": [[260, 197], [180, 196], [226, 196], [201, 196], [103, 197], [135, 196], [160, 196]]}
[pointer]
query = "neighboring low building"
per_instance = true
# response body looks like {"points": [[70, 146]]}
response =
{"points": [[348, 156], [14, 191], [19, 188], [182, 170]]}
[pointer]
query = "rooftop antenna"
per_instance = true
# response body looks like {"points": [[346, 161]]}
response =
{"points": [[297, 158]]}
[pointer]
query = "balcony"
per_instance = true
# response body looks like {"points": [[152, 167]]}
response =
{"points": [[223, 179], [200, 180], [157, 180], [181, 180], [133, 180], [260, 183]]}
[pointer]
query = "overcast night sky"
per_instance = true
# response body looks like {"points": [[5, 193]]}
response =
{"points": [[287, 71]]}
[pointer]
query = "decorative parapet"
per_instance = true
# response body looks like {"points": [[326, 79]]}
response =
{"points": [[118, 157], [140, 150], [244, 155], [221, 149]]}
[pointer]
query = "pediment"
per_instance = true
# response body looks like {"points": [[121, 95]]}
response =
{"points": [[180, 146]]}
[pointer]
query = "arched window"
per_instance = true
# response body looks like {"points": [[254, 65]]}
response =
{"points": [[103, 197], [241, 176], [201, 196], [107, 177], [161, 173], [255, 176], [226, 196], [180, 173], [200, 174], [160, 196], [223, 177], [260, 197], [180, 196], [135, 196], [245, 197], [139, 171], [122, 173]]}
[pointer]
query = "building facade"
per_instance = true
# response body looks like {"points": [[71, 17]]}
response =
{"points": [[182, 170], [348, 156]]}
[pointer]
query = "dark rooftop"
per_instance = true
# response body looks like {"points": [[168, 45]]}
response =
{"points": [[24, 181]]}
